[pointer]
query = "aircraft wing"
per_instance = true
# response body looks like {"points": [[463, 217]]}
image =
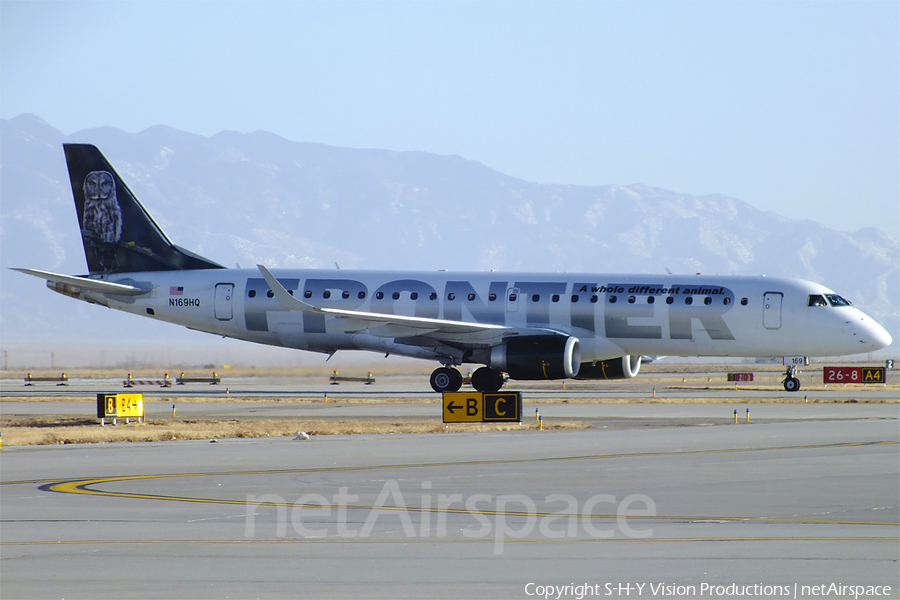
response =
{"points": [[85, 284], [394, 325]]}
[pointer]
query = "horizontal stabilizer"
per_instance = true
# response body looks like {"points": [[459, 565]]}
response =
{"points": [[92, 285]]}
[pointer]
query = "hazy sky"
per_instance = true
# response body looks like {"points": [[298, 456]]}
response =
{"points": [[791, 106]]}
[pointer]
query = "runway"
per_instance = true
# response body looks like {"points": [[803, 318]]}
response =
{"points": [[645, 387], [803, 495]]}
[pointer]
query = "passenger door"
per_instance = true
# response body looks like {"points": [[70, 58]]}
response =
{"points": [[224, 292], [772, 310]]}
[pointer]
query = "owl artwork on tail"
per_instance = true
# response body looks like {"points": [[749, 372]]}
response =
{"points": [[102, 222]]}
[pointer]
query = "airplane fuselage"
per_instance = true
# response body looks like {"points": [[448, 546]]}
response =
{"points": [[611, 314]]}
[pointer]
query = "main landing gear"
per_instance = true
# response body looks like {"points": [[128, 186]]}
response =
{"points": [[486, 379], [791, 383], [448, 379]]}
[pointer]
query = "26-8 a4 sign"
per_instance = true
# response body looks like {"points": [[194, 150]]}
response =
{"points": [[853, 375]]}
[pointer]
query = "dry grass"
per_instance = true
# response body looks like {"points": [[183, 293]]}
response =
{"points": [[720, 400], [80, 430], [661, 398], [224, 371], [234, 398]]}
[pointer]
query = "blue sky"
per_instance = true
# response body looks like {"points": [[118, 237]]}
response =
{"points": [[791, 106]]}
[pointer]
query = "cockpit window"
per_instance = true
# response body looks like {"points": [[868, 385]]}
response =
{"points": [[836, 300], [817, 300]]}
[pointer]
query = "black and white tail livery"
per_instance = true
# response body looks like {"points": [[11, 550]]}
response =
{"points": [[524, 325], [119, 234]]}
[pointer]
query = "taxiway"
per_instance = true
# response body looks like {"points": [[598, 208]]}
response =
{"points": [[805, 494]]}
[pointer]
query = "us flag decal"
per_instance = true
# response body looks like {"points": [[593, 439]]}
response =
{"points": [[176, 290]]}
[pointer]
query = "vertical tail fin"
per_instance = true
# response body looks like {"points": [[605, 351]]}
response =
{"points": [[118, 233]]}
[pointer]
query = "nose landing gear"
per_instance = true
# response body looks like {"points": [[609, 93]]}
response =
{"points": [[791, 383]]}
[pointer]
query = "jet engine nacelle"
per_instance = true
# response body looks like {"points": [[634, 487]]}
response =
{"points": [[624, 367], [538, 357]]}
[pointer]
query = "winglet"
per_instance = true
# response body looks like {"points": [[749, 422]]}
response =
{"points": [[287, 301]]}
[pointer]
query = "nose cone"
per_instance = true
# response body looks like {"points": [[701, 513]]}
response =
{"points": [[882, 339], [871, 335]]}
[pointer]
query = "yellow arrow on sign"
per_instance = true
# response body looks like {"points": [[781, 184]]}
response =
{"points": [[463, 407]]}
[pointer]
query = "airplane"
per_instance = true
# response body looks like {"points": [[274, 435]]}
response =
{"points": [[528, 326]]}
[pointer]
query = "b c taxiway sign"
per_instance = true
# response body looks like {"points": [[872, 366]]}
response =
{"points": [[480, 407]]}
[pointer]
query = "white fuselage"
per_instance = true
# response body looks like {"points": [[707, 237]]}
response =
{"points": [[612, 315]]}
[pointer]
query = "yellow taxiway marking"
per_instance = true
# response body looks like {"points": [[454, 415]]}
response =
{"points": [[87, 480], [84, 486], [488, 540], [80, 487]]}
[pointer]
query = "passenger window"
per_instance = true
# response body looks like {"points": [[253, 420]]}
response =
{"points": [[726, 301], [307, 294], [631, 299], [395, 295], [536, 298], [574, 298], [252, 293], [512, 297], [451, 296], [379, 295], [345, 294], [612, 299], [432, 296], [555, 298], [650, 299], [270, 294], [594, 299], [743, 302], [492, 297], [689, 300], [471, 297], [669, 299], [361, 295], [707, 301], [414, 295], [326, 294]]}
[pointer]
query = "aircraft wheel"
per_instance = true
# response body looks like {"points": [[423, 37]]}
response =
{"points": [[486, 379], [792, 384], [445, 379], [498, 381], [457, 380]]}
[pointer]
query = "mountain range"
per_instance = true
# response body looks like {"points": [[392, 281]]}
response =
{"points": [[248, 198]]}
